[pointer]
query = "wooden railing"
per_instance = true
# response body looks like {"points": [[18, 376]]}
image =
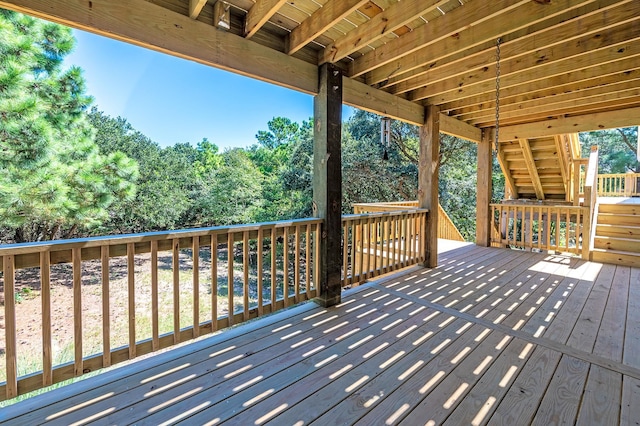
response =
{"points": [[619, 185], [539, 226], [378, 243], [446, 228], [134, 294]]}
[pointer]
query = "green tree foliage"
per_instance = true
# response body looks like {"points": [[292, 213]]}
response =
{"points": [[616, 149], [53, 179]]}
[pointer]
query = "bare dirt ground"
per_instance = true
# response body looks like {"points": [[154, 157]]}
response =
{"points": [[29, 306]]}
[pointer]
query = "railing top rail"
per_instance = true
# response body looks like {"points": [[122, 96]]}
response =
{"points": [[382, 214], [40, 246]]}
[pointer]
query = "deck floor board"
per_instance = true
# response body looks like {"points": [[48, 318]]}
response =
{"points": [[490, 336]]}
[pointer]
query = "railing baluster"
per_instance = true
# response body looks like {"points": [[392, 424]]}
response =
{"points": [[106, 307], [285, 266], [360, 251], [155, 320], [368, 237], [45, 289], [11, 365], [245, 275], [175, 262], [316, 259], [307, 262], [345, 252], [77, 309], [296, 266], [214, 281], [131, 298], [260, 265], [274, 280], [195, 255], [230, 253]]}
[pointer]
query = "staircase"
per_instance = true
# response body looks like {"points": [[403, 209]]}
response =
{"points": [[538, 168], [617, 237]]}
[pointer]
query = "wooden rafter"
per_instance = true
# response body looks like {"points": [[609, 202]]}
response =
{"points": [[442, 27], [616, 44], [558, 30], [380, 25], [532, 168], [259, 14], [322, 19], [581, 123], [513, 19], [195, 7]]}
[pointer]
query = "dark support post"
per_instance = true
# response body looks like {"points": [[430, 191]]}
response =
{"points": [[484, 190], [428, 169], [327, 181]]}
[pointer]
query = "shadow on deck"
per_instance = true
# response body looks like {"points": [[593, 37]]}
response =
{"points": [[489, 336]]}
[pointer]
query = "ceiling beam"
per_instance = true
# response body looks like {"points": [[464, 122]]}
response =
{"points": [[550, 97], [460, 129], [513, 19], [577, 23], [532, 168], [565, 83], [320, 21], [382, 24], [581, 123], [195, 7], [259, 14], [600, 50], [436, 29]]}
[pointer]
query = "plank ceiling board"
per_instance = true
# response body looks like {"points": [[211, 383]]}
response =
{"points": [[561, 58]]}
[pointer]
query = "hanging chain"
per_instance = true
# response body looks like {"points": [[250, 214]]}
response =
{"points": [[497, 94]]}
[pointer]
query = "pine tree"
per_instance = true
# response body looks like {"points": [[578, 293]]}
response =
{"points": [[53, 180]]}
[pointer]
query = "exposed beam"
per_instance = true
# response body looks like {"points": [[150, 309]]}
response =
{"points": [[562, 146], [454, 127], [565, 83], [195, 7], [532, 168], [547, 99], [527, 15], [320, 21], [616, 44], [365, 97], [561, 29], [259, 14], [581, 123], [437, 29], [382, 24], [151, 26]]}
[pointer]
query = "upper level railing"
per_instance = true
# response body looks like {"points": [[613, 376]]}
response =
{"points": [[446, 228], [619, 185]]}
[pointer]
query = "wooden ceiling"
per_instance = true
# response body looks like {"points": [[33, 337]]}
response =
{"points": [[565, 65]]}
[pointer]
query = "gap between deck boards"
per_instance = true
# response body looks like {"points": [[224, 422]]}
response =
{"points": [[541, 341]]}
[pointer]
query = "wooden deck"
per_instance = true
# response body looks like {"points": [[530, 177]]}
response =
{"points": [[490, 336]]}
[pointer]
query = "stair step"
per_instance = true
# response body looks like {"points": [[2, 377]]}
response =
{"points": [[626, 209], [621, 244], [618, 219], [608, 230], [616, 257]]}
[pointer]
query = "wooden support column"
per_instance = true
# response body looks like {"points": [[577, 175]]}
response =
{"points": [[327, 181], [428, 168], [484, 190]]}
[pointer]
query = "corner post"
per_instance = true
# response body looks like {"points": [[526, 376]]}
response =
{"points": [[327, 181], [428, 168], [483, 200]]}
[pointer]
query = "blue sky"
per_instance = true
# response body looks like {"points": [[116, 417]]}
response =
{"points": [[173, 100]]}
